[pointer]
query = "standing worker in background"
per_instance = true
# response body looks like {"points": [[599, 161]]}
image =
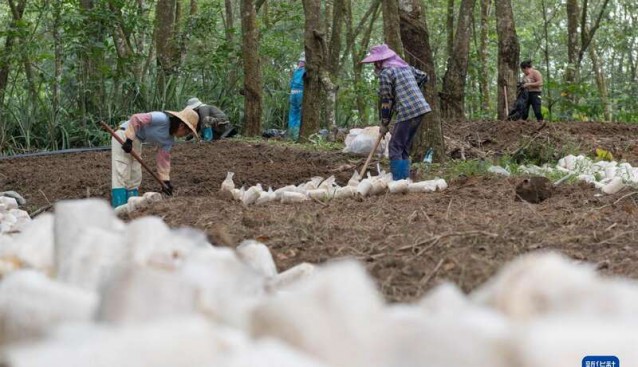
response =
{"points": [[296, 98], [532, 81], [157, 128], [400, 94], [213, 122]]}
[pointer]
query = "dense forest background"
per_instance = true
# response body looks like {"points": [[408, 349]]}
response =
{"points": [[65, 65]]}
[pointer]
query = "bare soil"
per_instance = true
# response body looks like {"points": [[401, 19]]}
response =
{"points": [[408, 242]]}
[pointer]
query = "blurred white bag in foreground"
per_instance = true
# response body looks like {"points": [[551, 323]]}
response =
{"points": [[31, 304], [332, 316], [258, 256], [183, 342]]}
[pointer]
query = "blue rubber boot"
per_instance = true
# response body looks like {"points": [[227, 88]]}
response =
{"points": [[207, 133], [396, 167], [131, 193], [118, 197]]}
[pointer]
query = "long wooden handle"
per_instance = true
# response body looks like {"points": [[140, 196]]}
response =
{"points": [[134, 154], [365, 165]]}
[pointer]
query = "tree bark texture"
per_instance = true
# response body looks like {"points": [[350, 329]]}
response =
{"points": [[357, 53], [508, 56], [252, 69], [483, 54], [449, 18], [601, 83], [453, 92], [415, 37], [571, 75], [166, 46], [391, 27], [315, 53]]}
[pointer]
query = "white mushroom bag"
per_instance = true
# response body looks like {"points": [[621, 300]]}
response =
{"points": [[361, 141]]}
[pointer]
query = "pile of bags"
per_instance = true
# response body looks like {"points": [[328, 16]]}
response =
{"points": [[318, 188], [608, 176], [12, 219], [91, 290]]}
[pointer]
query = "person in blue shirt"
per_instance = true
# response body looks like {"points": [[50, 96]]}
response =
{"points": [[296, 98], [159, 128]]}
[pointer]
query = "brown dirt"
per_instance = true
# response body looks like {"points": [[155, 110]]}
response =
{"points": [[408, 242]]}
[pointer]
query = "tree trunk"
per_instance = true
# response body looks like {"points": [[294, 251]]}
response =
{"points": [[91, 92], [548, 75], [601, 83], [252, 69], [391, 28], [332, 74], [313, 41], [166, 46], [508, 56], [6, 62], [230, 24], [483, 39], [453, 93], [449, 17], [357, 54], [57, 76], [415, 37], [17, 11], [571, 73]]}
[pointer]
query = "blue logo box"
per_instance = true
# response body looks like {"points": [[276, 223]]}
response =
{"points": [[601, 361]]}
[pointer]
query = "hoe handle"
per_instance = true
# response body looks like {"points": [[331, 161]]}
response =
{"points": [[365, 165], [134, 154]]}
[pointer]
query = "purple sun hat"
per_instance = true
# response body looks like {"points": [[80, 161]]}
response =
{"points": [[378, 53]]}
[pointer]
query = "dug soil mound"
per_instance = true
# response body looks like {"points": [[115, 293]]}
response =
{"points": [[409, 242]]}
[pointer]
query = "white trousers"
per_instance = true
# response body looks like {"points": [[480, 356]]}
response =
{"points": [[126, 171]]}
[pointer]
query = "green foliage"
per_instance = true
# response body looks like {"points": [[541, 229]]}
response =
{"points": [[100, 81]]}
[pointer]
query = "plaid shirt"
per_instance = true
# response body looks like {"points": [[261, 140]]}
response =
{"points": [[401, 86]]}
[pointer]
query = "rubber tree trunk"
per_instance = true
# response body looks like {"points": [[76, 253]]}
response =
{"points": [[483, 55], [166, 46], [252, 69], [508, 56], [310, 119], [391, 27], [453, 92], [415, 37]]}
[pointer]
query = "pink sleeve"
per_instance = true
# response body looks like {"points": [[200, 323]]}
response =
{"points": [[163, 164], [136, 122]]}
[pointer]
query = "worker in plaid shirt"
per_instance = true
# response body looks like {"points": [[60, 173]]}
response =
{"points": [[400, 94]]}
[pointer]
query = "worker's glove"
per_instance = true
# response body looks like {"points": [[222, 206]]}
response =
{"points": [[128, 145], [168, 188]]}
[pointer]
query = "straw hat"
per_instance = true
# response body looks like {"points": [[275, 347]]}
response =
{"points": [[189, 117], [379, 53], [194, 103]]}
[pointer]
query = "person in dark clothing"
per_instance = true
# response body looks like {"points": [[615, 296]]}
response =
{"points": [[213, 122], [532, 82], [400, 94]]}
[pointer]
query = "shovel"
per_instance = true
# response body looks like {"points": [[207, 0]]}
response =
{"points": [[376, 145], [134, 154]]}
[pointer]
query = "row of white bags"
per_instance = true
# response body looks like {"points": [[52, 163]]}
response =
{"points": [[318, 188]]}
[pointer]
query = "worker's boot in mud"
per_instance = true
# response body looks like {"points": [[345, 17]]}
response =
{"points": [[207, 133], [131, 193], [118, 197]]}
